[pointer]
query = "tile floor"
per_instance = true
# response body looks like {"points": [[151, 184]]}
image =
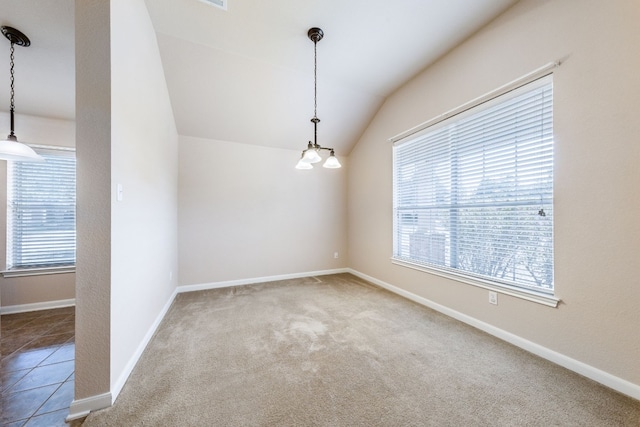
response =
{"points": [[37, 367]]}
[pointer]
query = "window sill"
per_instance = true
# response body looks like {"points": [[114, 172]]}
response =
{"points": [[38, 271], [529, 295]]}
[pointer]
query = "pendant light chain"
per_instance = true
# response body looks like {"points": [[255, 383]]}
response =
{"points": [[12, 92]]}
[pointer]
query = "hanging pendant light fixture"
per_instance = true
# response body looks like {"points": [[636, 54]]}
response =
{"points": [[312, 153], [10, 148]]}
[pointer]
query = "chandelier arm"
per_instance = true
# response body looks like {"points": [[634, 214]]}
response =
{"points": [[315, 121]]}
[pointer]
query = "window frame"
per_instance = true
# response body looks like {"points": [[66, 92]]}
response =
{"points": [[524, 84], [44, 268]]}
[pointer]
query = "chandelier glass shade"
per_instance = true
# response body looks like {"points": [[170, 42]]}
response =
{"points": [[311, 154]]}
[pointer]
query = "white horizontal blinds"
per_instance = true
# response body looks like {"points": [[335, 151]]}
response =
{"points": [[475, 194], [41, 208]]}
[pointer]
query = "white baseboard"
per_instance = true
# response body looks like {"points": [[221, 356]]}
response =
{"points": [[81, 407], [252, 281], [47, 305], [623, 386], [116, 388]]}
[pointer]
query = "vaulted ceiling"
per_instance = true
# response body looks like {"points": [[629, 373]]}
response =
{"points": [[245, 74]]}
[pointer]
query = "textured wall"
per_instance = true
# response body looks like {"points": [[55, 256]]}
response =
{"points": [[144, 160], [246, 212], [597, 231], [34, 289], [93, 153]]}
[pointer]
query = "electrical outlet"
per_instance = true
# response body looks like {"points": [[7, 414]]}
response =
{"points": [[335, 255], [493, 298], [119, 192], [170, 275]]}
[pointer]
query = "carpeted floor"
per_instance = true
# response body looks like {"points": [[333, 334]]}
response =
{"points": [[338, 351]]}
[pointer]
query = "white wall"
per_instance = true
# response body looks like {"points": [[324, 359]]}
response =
{"points": [[144, 160], [246, 212], [24, 291], [597, 179], [126, 249]]}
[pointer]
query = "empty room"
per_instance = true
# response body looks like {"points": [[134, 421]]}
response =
{"points": [[304, 213]]}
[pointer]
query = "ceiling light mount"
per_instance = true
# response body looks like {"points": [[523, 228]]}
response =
{"points": [[315, 34], [312, 153], [10, 148], [16, 37]]}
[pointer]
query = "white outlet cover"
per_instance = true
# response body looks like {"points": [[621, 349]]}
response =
{"points": [[493, 297]]}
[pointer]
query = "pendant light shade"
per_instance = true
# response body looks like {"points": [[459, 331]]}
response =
{"points": [[303, 165], [332, 162], [10, 148], [312, 153]]}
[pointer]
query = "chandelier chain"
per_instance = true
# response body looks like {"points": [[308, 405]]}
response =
{"points": [[12, 106], [315, 79]]}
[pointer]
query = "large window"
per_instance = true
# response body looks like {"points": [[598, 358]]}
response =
{"points": [[473, 194], [41, 211]]}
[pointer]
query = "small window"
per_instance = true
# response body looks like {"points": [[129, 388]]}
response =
{"points": [[41, 211], [473, 194]]}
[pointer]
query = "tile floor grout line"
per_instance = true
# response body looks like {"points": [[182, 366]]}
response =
{"points": [[43, 384], [43, 403]]}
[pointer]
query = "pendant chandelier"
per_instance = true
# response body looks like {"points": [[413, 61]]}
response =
{"points": [[10, 148], [312, 153]]}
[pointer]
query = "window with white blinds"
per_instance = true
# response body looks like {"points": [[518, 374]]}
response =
{"points": [[473, 195], [41, 211]]}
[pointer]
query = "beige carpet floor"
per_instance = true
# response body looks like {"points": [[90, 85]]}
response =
{"points": [[338, 351]]}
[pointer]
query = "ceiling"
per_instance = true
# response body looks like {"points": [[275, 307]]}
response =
{"points": [[245, 74], [44, 71]]}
